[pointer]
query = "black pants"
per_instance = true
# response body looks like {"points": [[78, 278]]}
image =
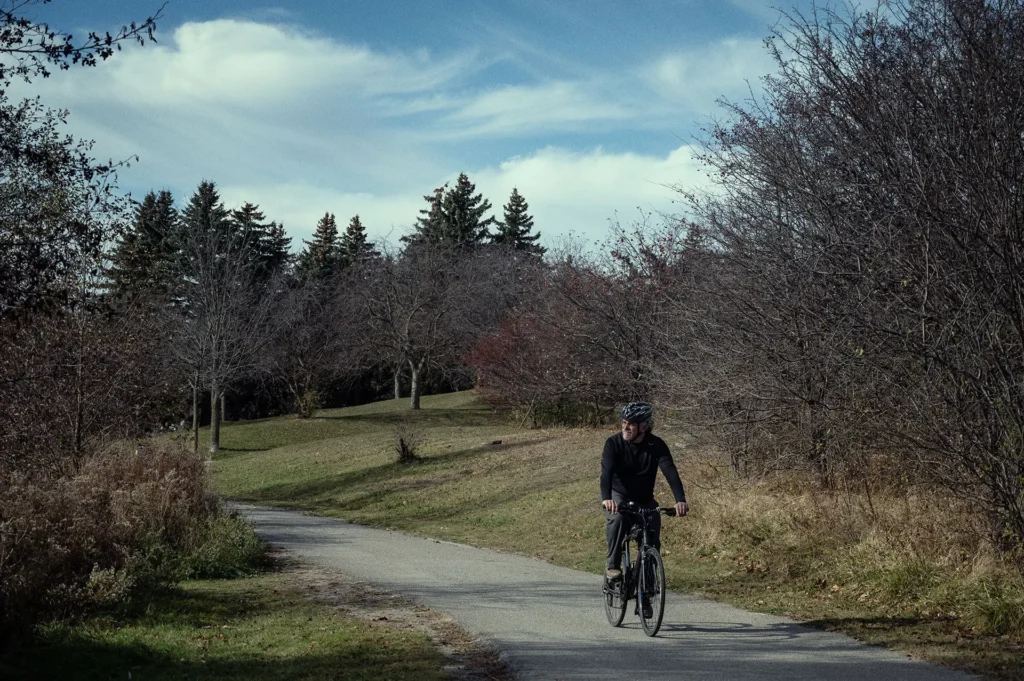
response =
{"points": [[617, 527]]}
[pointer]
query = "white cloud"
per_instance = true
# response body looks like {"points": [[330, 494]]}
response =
{"points": [[518, 109], [699, 76], [582, 192], [260, 66]]}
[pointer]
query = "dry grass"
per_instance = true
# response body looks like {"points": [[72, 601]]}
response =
{"points": [[128, 521]]}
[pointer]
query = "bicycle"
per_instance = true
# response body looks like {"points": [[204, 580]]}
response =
{"points": [[643, 578]]}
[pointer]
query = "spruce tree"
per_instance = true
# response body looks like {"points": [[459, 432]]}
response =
{"points": [[319, 260], [354, 246], [141, 261], [514, 230], [430, 224], [463, 221], [273, 248], [268, 242], [205, 212]]}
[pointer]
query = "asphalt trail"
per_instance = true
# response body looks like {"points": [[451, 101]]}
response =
{"points": [[548, 622]]}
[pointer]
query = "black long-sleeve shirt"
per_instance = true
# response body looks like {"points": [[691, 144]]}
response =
{"points": [[630, 469]]}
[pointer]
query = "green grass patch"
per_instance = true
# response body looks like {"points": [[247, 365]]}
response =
{"points": [[484, 481], [255, 628]]}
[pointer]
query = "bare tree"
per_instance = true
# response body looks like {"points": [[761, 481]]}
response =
{"points": [[224, 313], [319, 337], [428, 305]]}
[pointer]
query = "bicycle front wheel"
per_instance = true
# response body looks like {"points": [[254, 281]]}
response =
{"points": [[616, 597], [651, 591]]}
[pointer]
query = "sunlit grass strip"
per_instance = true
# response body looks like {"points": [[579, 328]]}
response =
{"points": [[255, 628]]}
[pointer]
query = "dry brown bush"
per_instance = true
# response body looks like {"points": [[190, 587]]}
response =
{"points": [[117, 527]]}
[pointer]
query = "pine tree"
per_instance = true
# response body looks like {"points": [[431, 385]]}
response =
{"points": [[274, 248], [267, 241], [205, 212], [354, 246], [430, 224], [142, 259], [319, 260], [514, 230], [462, 212]]}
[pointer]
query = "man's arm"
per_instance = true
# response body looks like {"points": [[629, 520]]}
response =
{"points": [[668, 469]]}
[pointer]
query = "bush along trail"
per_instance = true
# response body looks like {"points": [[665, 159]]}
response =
{"points": [[908, 569]]}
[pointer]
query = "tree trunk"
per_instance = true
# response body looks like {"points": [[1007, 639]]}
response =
{"points": [[414, 385], [195, 414], [214, 419], [398, 383], [223, 407], [79, 405]]}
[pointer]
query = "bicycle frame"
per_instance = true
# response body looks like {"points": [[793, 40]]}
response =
{"points": [[639, 533]]}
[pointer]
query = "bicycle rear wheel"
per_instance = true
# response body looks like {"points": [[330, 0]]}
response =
{"points": [[615, 599], [651, 591]]}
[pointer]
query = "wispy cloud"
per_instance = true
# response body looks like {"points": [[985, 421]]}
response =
{"points": [[695, 78], [519, 109], [260, 65]]}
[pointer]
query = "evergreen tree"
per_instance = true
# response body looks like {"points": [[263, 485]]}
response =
{"points": [[430, 224], [354, 246], [274, 247], [142, 259], [514, 230], [320, 259], [267, 241], [453, 216], [462, 212], [205, 212]]}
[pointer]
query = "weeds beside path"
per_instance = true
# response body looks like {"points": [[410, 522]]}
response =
{"points": [[298, 623], [772, 545]]}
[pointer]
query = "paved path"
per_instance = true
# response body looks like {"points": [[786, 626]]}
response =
{"points": [[548, 622]]}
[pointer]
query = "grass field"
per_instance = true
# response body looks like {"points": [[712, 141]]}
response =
{"points": [[255, 628], [907, 572]]}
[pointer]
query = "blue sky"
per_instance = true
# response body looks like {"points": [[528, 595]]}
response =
{"points": [[589, 108]]}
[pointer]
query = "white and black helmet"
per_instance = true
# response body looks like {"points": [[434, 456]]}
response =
{"points": [[637, 412]]}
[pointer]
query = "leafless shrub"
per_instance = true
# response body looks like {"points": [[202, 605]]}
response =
{"points": [[408, 440], [117, 527]]}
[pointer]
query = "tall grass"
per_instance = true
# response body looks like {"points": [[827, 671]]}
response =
{"points": [[127, 522], [902, 552]]}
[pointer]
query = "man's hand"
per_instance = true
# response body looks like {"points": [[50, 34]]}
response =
{"points": [[610, 506], [681, 509]]}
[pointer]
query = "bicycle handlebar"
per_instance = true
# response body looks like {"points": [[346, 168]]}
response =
{"points": [[631, 507]]}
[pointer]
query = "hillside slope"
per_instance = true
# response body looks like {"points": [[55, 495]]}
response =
{"points": [[909, 571]]}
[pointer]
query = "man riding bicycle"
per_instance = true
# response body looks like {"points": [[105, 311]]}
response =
{"points": [[629, 466]]}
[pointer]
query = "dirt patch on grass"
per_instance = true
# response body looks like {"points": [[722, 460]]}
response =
{"points": [[469, 659]]}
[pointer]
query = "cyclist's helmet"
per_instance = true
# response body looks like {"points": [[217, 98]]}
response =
{"points": [[637, 412]]}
